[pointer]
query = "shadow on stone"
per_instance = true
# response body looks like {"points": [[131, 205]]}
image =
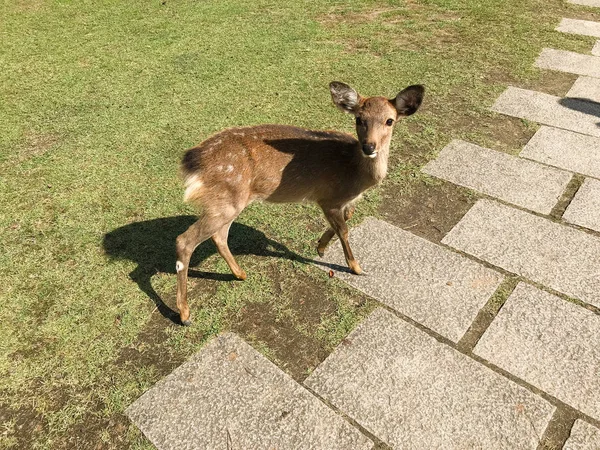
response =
{"points": [[584, 105], [151, 245]]}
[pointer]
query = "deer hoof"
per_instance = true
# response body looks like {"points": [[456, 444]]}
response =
{"points": [[186, 323], [241, 275], [355, 269], [321, 251]]}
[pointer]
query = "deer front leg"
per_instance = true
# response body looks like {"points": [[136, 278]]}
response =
{"points": [[329, 233], [336, 219]]}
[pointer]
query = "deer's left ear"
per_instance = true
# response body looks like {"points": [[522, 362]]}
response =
{"points": [[408, 101]]}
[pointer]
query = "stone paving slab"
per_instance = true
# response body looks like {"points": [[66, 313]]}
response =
{"points": [[228, 396], [552, 254], [515, 180], [565, 149], [584, 209], [414, 392], [585, 2], [432, 285], [576, 26], [550, 343], [587, 88], [570, 62], [583, 437], [571, 114]]}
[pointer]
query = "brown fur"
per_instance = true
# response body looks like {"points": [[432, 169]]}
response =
{"points": [[281, 164]]}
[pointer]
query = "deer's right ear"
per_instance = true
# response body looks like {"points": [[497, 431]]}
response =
{"points": [[344, 96]]}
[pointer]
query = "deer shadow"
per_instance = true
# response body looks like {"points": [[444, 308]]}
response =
{"points": [[151, 245], [584, 105]]}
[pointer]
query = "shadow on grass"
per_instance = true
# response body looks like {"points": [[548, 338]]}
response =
{"points": [[151, 245]]}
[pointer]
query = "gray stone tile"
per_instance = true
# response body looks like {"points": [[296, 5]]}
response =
{"points": [[571, 114], [554, 255], [434, 286], [550, 343], [570, 62], [565, 149], [228, 396], [414, 392], [576, 26], [596, 49], [583, 437], [515, 180], [584, 209], [585, 2], [586, 88]]}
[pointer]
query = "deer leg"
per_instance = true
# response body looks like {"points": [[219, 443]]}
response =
{"points": [[220, 240], [185, 246], [336, 217], [329, 233]]}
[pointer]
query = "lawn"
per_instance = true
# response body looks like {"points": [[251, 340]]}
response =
{"points": [[99, 100]]}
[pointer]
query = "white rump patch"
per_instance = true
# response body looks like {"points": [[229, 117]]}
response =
{"points": [[192, 185], [179, 266]]}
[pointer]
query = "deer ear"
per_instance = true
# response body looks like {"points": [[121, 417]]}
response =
{"points": [[408, 101], [344, 96]]}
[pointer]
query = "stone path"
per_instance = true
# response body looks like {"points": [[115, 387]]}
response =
{"points": [[585, 2], [229, 396], [583, 27], [583, 437], [565, 149], [570, 62], [530, 324], [430, 284], [567, 113], [587, 88], [515, 180], [584, 209], [534, 247], [414, 392], [457, 356]]}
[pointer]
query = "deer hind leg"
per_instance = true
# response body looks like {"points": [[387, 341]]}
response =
{"points": [[336, 218], [329, 233], [186, 243], [220, 240]]}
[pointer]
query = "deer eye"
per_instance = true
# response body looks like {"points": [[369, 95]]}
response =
{"points": [[389, 122], [358, 121]]}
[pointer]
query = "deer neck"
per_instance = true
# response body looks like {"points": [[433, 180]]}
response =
{"points": [[376, 168]]}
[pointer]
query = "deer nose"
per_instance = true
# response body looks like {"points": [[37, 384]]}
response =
{"points": [[368, 149]]}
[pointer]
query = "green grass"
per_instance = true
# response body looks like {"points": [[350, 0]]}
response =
{"points": [[101, 98]]}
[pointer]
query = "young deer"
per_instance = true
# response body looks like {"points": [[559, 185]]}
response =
{"points": [[279, 164]]}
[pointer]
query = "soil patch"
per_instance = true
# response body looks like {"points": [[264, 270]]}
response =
{"points": [[150, 348], [549, 81], [427, 210], [36, 144], [287, 326], [21, 426], [96, 432], [293, 351]]}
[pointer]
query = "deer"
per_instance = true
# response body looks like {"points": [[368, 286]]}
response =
{"points": [[287, 164]]}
